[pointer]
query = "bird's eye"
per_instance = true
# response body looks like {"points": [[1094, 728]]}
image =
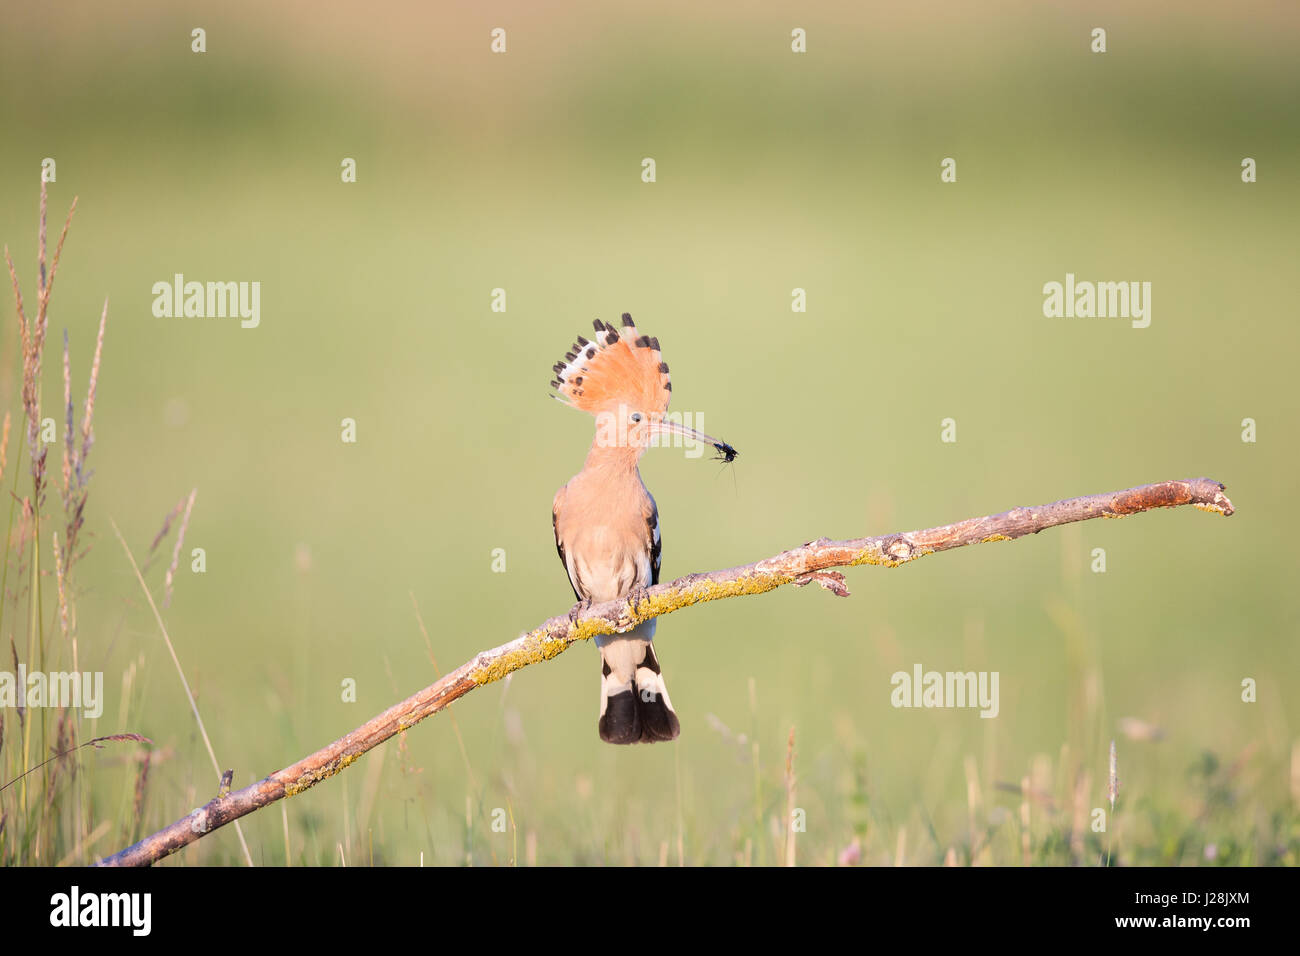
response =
{"points": [[636, 417]]}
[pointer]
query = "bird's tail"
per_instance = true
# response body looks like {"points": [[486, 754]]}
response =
{"points": [[634, 704]]}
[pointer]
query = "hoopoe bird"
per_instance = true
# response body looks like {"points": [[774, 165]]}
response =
{"points": [[606, 522]]}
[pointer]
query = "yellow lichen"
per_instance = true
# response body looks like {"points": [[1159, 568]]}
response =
{"points": [[313, 777], [883, 559]]}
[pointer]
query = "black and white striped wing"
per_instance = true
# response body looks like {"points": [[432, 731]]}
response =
{"points": [[574, 581], [652, 525]]}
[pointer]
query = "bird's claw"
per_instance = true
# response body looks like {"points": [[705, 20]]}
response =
{"points": [[637, 597], [579, 609]]}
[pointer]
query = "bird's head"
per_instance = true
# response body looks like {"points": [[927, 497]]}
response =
{"points": [[620, 377]]}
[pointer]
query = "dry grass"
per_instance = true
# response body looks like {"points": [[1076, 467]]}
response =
{"points": [[46, 812]]}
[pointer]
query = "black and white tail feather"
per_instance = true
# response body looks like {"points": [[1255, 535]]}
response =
{"points": [[634, 703]]}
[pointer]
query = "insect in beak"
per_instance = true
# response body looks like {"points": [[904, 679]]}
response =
{"points": [[665, 426]]}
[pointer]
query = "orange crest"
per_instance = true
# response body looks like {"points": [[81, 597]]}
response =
{"points": [[619, 368]]}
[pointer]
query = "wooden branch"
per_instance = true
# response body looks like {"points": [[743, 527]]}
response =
{"points": [[800, 566]]}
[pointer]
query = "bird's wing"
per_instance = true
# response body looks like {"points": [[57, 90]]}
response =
{"points": [[574, 582], [652, 527]]}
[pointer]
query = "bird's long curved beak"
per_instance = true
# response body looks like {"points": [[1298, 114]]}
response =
{"points": [[665, 427]]}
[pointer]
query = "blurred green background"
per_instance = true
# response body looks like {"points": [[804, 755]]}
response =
{"points": [[774, 171]]}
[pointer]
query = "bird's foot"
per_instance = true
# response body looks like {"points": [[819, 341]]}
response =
{"points": [[636, 597], [579, 609]]}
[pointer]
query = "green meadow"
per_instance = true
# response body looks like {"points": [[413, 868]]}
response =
{"points": [[774, 171]]}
